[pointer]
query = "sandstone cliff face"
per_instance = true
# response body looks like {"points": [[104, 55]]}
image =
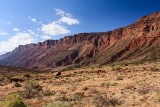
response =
{"points": [[138, 41]]}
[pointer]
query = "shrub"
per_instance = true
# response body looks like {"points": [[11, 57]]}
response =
{"points": [[14, 100], [32, 90], [101, 100], [154, 69], [16, 79], [116, 68], [27, 75], [17, 85], [58, 104], [48, 92], [2, 104], [119, 78], [142, 90]]}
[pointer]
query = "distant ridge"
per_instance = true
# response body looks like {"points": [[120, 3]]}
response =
{"points": [[138, 41]]}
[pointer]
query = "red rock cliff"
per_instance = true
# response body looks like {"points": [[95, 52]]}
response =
{"points": [[138, 41]]}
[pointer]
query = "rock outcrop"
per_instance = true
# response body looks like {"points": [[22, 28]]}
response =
{"points": [[138, 41]]}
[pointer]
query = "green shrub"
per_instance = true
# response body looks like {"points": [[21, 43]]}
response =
{"points": [[58, 104], [1, 104], [14, 100]]}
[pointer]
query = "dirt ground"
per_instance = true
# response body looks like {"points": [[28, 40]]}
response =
{"points": [[128, 85]]}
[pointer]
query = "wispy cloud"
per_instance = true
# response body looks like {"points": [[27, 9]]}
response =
{"points": [[45, 37], [3, 33], [43, 32], [54, 29], [32, 19], [15, 29], [69, 20], [66, 17], [31, 32], [62, 13], [59, 27], [15, 41]]}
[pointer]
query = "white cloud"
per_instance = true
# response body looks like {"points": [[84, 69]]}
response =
{"points": [[33, 20], [31, 32], [54, 29], [44, 32], [68, 20], [66, 17], [62, 13], [40, 22], [3, 33], [15, 41], [45, 37], [57, 27], [15, 29]]}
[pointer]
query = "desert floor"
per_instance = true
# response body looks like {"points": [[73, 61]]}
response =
{"points": [[123, 85]]}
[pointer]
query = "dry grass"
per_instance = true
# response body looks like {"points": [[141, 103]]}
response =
{"points": [[135, 85]]}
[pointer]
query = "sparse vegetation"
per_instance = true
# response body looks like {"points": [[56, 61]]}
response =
{"points": [[48, 92], [2, 104], [132, 85], [32, 89], [119, 78], [27, 75], [116, 68], [154, 69], [58, 104], [142, 90], [13, 100], [17, 84], [102, 100]]}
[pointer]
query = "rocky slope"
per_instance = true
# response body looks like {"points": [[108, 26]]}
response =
{"points": [[138, 41]]}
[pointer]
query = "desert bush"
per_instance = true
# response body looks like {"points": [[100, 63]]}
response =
{"points": [[27, 75], [78, 96], [17, 85], [48, 92], [32, 90], [138, 63], [58, 104], [114, 84], [157, 97], [61, 98], [154, 69], [2, 104], [16, 79], [102, 100], [119, 78], [106, 84], [14, 100], [72, 98], [130, 87], [142, 90], [116, 68]]}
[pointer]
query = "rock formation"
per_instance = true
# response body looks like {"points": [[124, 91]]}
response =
{"points": [[138, 41]]}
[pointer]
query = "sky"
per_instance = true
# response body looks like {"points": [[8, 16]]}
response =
{"points": [[31, 21]]}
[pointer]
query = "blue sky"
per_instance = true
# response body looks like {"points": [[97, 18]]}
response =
{"points": [[30, 21]]}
